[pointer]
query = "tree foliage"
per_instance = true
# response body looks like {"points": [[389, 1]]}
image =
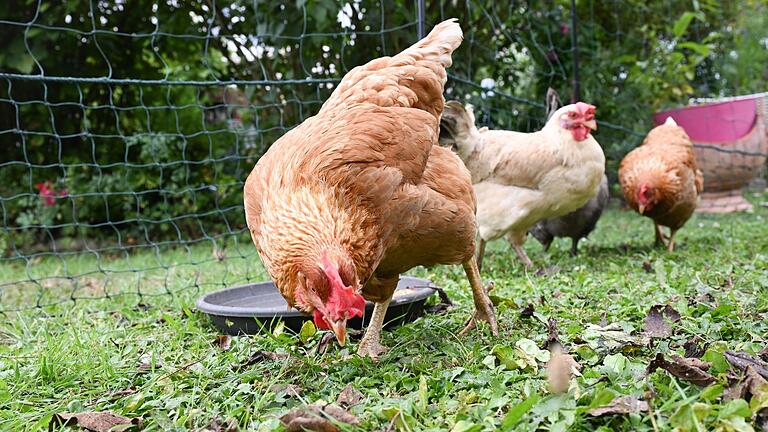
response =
{"points": [[156, 159]]}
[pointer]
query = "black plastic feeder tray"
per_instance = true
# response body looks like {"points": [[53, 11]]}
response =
{"points": [[249, 308]]}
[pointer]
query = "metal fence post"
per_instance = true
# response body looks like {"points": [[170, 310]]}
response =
{"points": [[420, 18], [575, 47]]}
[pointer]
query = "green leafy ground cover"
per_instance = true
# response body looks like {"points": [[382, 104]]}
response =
{"points": [[165, 364]]}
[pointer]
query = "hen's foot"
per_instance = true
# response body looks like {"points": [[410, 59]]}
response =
{"points": [[522, 255], [482, 316], [483, 312], [371, 348], [370, 345], [574, 247], [671, 242]]}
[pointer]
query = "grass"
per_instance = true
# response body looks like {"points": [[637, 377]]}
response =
{"points": [[158, 361]]}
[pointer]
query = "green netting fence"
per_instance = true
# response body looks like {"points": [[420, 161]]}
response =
{"points": [[128, 128]]}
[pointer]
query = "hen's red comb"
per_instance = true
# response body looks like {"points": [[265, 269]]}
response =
{"points": [[585, 107], [341, 298]]}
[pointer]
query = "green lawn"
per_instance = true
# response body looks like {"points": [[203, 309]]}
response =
{"points": [[158, 362]]}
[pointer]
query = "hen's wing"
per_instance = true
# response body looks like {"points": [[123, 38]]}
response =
{"points": [[518, 159], [373, 134], [434, 221]]}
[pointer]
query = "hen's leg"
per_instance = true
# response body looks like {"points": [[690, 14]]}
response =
{"points": [[671, 242], [370, 346], [517, 241], [574, 246], [483, 305], [480, 254], [660, 237]]}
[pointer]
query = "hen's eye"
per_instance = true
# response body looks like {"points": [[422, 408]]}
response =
{"points": [[572, 115]]}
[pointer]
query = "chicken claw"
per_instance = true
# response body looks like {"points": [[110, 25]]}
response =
{"points": [[483, 305], [371, 350], [671, 242], [517, 240], [486, 314], [523, 256]]}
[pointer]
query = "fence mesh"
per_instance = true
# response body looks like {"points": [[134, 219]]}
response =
{"points": [[128, 128]]}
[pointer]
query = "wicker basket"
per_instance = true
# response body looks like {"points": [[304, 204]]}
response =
{"points": [[727, 165]]}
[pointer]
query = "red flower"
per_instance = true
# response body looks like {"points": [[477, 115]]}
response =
{"points": [[564, 29], [48, 194]]}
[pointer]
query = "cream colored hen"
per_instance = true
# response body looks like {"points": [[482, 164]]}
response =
{"points": [[522, 178]]}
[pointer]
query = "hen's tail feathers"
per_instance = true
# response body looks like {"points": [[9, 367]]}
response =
{"points": [[457, 125], [552, 102], [439, 43], [670, 121]]}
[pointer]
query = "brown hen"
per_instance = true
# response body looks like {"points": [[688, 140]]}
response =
{"points": [[660, 179], [358, 194]]}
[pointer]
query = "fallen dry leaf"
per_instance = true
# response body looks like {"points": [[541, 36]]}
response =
{"points": [[315, 417], [764, 354], [340, 414], [560, 370], [527, 311], [94, 421], [750, 387], [127, 392], [354, 334], [490, 286], [445, 302], [290, 390], [706, 298], [553, 338], [260, 356], [742, 359], [647, 266], [219, 425], [145, 362], [657, 322], [695, 347], [620, 405], [223, 342], [219, 254], [443, 296], [349, 396], [547, 271], [326, 341], [688, 369], [612, 338]]}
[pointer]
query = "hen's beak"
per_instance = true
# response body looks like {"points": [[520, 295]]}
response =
{"points": [[641, 208], [340, 330], [592, 124]]}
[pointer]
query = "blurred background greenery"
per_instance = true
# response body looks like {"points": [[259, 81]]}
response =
{"points": [[157, 109]]}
